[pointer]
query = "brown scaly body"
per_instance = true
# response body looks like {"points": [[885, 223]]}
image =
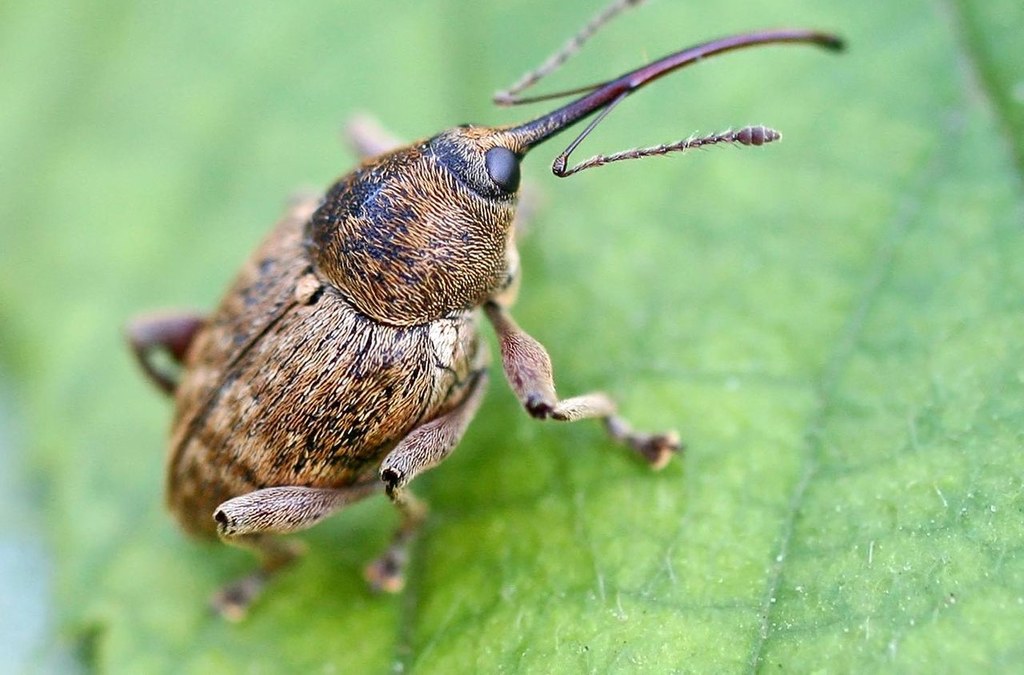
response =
{"points": [[346, 360], [355, 387]]}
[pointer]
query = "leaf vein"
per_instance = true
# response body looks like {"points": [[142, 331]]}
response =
{"points": [[998, 99], [878, 274]]}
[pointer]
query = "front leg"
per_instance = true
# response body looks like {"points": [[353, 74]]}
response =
{"points": [[529, 373]]}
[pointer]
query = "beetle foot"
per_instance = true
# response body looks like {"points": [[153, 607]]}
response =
{"points": [[658, 449], [233, 601], [387, 573]]}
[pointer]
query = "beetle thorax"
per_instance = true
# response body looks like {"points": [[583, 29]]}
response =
{"points": [[406, 242]]}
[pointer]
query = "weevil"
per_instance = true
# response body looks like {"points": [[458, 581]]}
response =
{"points": [[345, 359]]}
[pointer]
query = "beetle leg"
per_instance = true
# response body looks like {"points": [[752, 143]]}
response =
{"points": [[252, 520], [529, 373], [368, 138], [387, 572], [172, 332], [422, 449]]}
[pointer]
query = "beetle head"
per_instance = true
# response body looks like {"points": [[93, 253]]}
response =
{"points": [[418, 233]]}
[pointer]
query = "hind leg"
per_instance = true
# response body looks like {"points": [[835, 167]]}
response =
{"points": [[253, 521]]}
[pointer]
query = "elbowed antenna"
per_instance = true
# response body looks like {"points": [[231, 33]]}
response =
{"points": [[607, 95]]}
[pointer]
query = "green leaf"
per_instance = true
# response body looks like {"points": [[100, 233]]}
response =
{"points": [[834, 324]]}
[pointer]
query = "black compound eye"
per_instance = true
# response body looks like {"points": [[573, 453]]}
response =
{"points": [[503, 168]]}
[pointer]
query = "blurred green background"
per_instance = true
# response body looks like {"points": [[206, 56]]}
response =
{"points": [[834, 324]]}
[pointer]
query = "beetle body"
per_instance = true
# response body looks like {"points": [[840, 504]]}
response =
{"points": [[366, 308], [356, 386], [346, 357]]}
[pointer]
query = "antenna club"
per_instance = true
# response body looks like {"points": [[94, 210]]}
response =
{"points": [[756, 135]]}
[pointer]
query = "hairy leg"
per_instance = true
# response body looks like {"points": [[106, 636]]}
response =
{"points": [[528, 370], [253, 521], [424, 448]]}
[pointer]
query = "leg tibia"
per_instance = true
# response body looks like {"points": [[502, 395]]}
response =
{"points": [[526, 363], [282, 510], [428, 445], [253, 521]]}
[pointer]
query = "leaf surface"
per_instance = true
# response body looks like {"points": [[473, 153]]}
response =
{"points": [[834, 324]]}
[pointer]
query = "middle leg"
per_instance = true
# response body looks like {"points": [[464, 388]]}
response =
{"points": [[424, 448]]}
